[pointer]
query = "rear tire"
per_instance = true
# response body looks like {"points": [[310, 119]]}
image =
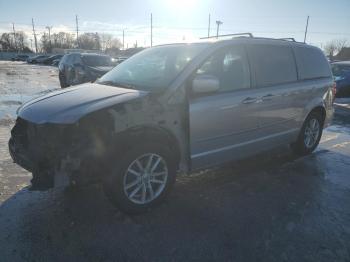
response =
{"points": [[310, 134], [137, 182]]}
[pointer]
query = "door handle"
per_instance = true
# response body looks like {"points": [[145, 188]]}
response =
{"points": [[249, 100]]}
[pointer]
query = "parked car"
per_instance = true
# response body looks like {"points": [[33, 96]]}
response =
{"points": [[36, 59], [20, 58], [180, 107], [121, 59], [341, 73], [78, 68], [50, 59], [56, 62]]}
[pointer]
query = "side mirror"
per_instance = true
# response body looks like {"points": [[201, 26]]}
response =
{"points": [[205, 84]]}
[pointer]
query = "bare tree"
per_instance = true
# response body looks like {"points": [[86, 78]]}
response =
{"points": [[8, 43], [106, 40], [90, 41], [115, 43], [340, 44], [45, 43], [22, 40], [334, 46], [63, 40]]}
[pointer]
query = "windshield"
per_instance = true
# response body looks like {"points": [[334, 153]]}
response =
{"points": [[154, 68], [96, 60]]}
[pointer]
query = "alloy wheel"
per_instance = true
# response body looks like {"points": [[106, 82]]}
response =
{"points": [[311, 133], [145, 178]]}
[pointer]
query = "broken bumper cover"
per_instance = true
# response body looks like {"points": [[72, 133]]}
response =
{"points": [[50, 153]]}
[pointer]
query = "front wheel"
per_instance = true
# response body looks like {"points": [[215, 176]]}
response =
{"points": [[310, 134], [142, 178]]}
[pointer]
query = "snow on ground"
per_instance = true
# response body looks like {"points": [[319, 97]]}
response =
{"points": [[20, 82]]}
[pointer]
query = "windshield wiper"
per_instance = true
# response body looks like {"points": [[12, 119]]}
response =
{"points": [[116, 84]]}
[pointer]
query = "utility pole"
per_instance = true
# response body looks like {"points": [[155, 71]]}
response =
{"points": [[218, 23], [209, 27], [123, 40], [14, 37], [307, 25], [31, 44], [35, 41], [49, 28], [77, 27], [151, 30]]}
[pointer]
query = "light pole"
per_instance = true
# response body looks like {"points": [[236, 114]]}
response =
{"points": [[49, 28], [123, 40], [218, 23], [307, 25]]}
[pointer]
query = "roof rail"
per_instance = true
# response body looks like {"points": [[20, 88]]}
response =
{"points": [[287, 39], [238, 34]]}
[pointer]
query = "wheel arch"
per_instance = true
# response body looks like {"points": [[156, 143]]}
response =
{"points": [[318, 109], [315, 105], [146, 133]]}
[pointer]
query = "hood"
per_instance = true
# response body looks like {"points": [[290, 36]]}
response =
{"points": [[69, 105]]}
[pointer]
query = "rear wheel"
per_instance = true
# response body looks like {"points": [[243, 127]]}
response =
{"points": [[142, 179], [310, 134]]}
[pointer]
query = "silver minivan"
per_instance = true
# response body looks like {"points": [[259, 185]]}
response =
{"points": [[175, 108]]}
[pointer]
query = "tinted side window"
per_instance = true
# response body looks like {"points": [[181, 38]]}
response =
{"points": [[230, 66], [311, 63], [273, 64]]}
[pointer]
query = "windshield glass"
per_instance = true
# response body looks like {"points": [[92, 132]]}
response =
{"points": [[154, 68], [96, 60]]}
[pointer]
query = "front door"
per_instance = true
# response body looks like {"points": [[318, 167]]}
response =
{"points": [[222, 123]]}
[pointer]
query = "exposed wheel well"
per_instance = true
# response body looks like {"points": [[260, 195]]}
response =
{"points": [[126, 139]]}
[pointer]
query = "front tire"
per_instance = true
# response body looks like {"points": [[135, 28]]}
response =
{"points": [[142, 178], [310, 134]]}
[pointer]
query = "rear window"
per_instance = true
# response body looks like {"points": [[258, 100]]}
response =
{"points": [[273, 64], [91, 60], [340, 70], [311, 63]]}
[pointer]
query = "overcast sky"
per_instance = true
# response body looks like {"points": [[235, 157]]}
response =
{"points": [[175, 20]]}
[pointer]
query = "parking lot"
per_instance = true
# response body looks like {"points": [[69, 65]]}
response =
{"points": [[268, 208]]}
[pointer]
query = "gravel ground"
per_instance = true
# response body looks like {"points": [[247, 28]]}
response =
{"points": [[268, 208]]}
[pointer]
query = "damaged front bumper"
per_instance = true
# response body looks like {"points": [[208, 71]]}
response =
{"points": [[49, 153]]}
